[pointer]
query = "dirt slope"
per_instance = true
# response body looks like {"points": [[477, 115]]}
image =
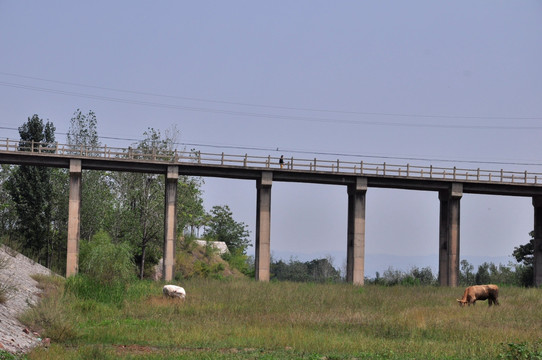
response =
{"points": [[16, 272]]}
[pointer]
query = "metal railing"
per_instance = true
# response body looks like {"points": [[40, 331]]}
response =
{"points": [[271, 162]]}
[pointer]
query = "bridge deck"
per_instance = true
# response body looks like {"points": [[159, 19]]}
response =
{"points": [[383, 175]]}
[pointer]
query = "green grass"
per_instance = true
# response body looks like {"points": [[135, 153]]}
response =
{"points": [[242, 319]]}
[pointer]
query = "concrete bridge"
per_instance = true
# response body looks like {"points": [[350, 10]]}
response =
{"points": [[449, 183]]}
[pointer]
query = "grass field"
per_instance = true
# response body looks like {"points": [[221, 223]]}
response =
{"points": [[243, 319]]}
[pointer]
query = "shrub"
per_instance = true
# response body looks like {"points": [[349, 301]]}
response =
{"points": [[240, 261], [519, 351], [410, 281], [202, 269], [105, 262]]}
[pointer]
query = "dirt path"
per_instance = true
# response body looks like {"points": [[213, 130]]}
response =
{"points": [[16, 273]]}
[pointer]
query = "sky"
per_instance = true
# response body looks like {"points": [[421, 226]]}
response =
{"points": [[443, 83]]}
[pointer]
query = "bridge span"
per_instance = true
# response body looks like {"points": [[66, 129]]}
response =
{"points": [[357, 177]]}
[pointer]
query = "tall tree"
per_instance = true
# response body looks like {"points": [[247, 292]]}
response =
{"points": [[97, 198], [31, 190], [222, 227], [483, 276], [8, 216], [59, 225], [83, 133], [525, 253], [191, 214], [141, 208], [466, 274]]}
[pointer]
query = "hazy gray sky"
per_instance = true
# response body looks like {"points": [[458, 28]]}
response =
{"points": [[445, 82]]}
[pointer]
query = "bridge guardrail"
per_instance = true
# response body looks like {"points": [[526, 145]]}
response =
{"points": [[271, 162]]}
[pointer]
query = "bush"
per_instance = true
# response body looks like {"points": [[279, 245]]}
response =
{"points": [[105, 262], [515, 351], [240, 261], [410, 281]]}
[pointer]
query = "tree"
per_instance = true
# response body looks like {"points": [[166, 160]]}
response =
{"points": [[525, 253], [59, 212], [8, 216], [317, 270], [190, 211], [466, 275], [392, 276], [482, 276], [294, 270], [83, 133], [97, 198], [33, 132], [321, 270], [424, 275], [140, 212], [222, 227], [31, 190]]}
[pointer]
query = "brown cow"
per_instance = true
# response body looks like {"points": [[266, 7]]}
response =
{"points": [[480, 292]]}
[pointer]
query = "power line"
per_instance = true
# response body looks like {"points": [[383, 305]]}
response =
{"points": [[364, 113], [269, 116], [63, 133]]}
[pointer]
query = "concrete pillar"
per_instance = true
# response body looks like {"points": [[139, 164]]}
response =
{"points": [[170, 222], [74, 218], [263, 226], [537, 203], [355, 256], [449, 235]]}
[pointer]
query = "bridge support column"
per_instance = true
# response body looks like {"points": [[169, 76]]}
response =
{"points": [[170, 222], [537, 203], [263, 226], [449, 235], [355, 256], [74, 218]]}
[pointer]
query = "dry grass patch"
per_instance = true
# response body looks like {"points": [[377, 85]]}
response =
{"points": [[6, 288], [52, 316]]}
